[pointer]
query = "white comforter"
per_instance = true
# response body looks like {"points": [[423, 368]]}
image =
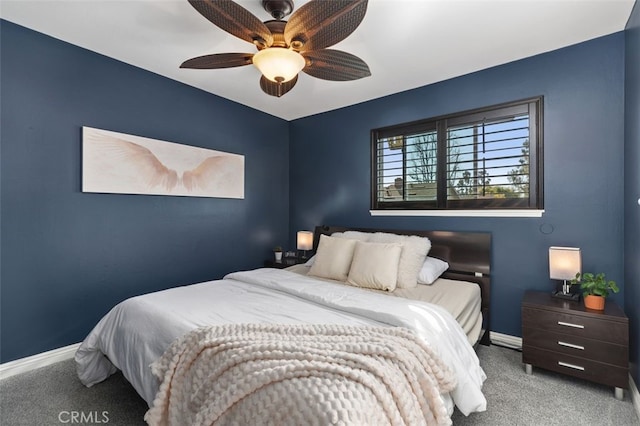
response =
{"points": [[137, 331]]}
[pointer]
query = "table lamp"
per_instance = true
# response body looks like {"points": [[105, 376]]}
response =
{"points": [[305, 242]]}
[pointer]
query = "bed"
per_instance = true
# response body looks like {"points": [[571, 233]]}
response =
{"points": [[166, 343]]}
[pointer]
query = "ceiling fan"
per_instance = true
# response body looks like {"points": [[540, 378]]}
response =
{"points": [[287, 47]]}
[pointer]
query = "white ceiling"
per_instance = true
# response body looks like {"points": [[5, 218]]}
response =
{"points": [[407, 43]]}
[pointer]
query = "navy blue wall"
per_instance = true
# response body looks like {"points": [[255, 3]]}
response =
{"points": [[583, 88], [68, 257], [632, 186]]}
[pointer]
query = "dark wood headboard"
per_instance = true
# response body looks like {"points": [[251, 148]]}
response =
{"points": [[468, 255]]}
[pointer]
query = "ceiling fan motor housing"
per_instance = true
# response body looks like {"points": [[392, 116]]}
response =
{"points": [[278, 8]]}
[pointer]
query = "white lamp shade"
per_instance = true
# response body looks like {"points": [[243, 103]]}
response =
{"points": [[278, 62], [305, 240], [564, 263]]}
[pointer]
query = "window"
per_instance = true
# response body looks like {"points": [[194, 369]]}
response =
{"points": [[489, 158]]}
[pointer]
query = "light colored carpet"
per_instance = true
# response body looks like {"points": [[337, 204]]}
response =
{"points": [[51, 395], [543, 398]]}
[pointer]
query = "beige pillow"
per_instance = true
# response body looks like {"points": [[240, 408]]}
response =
{"points": [[349, 235], [414, 252], [333, 258], [375, 265]]}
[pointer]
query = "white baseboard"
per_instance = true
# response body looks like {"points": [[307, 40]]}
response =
{"points": [[43, 359], [635, 395], [506, 340]]}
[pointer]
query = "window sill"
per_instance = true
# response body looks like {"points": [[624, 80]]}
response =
{"points": [[459, 213]]}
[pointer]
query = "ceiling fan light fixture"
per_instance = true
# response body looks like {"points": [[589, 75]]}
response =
{"points": [[311, 29], [279, 64]]}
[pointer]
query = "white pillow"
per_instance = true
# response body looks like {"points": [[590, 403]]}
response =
{"points": [[353, 235], [375, 265], [333, 258], [414, 251], [309, 262], [432, 268]]}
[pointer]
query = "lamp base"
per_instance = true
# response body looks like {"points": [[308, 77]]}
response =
{"points": [[566, 296]]}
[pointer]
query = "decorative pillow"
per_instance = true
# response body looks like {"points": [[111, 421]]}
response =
{"points": [[333, 258], [375, 265], [349, 235], [353, 235], [432, 268], [414, 251]]}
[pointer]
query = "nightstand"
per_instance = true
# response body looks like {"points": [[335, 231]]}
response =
{"points": [[284, 263], [565, 337]]}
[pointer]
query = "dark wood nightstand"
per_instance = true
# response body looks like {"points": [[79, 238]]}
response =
{"points": [[284, 263], [565, 337]]}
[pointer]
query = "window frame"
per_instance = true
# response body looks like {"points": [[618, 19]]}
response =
{"points": [[441, 124]]}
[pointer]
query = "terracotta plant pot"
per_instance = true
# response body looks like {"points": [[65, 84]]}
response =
{"points": [[594, 302]]}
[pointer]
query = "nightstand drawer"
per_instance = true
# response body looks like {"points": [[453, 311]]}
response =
{"points": [[577, 367], [576, 325], [571, 344]]}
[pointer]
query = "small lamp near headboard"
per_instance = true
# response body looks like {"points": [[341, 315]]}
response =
{"points": [[564, 264], [304, 242]]}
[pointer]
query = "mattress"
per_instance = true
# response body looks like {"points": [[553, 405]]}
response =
{"points": [[461, 298]]}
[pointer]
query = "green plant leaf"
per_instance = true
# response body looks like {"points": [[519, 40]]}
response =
{"points": [[596, 284]]}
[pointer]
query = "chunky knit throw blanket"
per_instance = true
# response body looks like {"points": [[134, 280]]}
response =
{"points": [[252, 374]]}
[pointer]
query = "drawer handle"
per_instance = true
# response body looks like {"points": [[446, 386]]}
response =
{"points": [[571, 345], [568, 324], [575, 367]]}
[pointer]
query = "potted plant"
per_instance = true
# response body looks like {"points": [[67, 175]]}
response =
{"points": [[595, 288], [277, 250]]}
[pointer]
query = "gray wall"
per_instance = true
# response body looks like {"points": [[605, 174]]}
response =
{"points": [[67, 256]]}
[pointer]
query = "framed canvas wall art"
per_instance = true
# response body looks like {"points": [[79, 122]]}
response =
{"points": [[125, 164]]}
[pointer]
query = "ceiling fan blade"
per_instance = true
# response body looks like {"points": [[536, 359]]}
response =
{"points": [[235, 20], [276, 89], [319, 23], [218, 60], [335, 65]]}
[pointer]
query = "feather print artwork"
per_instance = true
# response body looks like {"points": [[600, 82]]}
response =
{"points": [[125, 164]]}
